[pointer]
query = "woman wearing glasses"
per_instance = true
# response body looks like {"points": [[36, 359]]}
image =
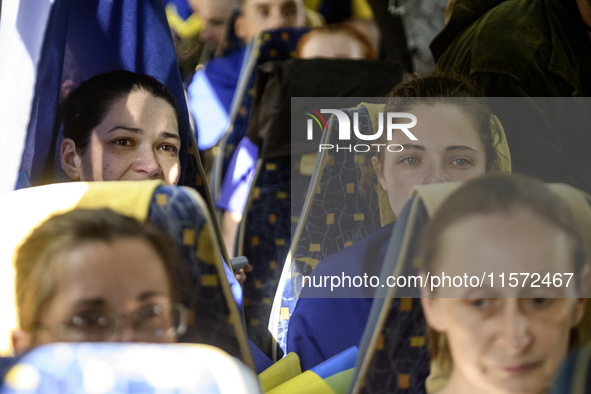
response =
{"points": [[94, 275]]}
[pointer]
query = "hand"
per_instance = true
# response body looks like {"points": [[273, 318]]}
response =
{"points": [[241, 275]]}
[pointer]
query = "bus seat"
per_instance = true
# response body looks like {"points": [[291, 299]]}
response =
{"points": [[177, 210], [393, 357], [286, 162]]}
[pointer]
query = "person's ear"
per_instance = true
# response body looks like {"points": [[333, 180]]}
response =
{"points": [[377, 166], [71, 162], [431, 308], [21, 341], [239, 29]]}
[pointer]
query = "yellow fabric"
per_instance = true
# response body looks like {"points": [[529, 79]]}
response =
{"points": [[313, 18], [305, 383], [310, 383], [501, 146], [23, 210], [191, 27], [340, 382], [361, 9], [125, 197], [283, 370]]}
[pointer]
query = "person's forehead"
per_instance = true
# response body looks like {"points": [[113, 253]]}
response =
{"points": [[216, 7], [271, 3]]}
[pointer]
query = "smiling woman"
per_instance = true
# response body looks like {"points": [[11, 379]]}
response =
{"points": [[121, 126]]}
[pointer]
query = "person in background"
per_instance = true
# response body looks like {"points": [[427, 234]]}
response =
{"points": [[335, 41], [95, 275], [214, 15], [528, 48]]}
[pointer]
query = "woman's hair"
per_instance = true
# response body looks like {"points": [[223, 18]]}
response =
{"points": [[489, 195], [38, 258], [86, 107], [436, 89], [339, 28]]}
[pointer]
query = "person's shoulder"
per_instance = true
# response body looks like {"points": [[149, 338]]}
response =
{"points": [[227, 64], [351, 258]]}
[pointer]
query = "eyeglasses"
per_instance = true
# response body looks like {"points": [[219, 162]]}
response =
{"points": [[151, 323]]}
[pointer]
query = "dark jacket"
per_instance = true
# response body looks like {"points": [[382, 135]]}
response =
{"points": [[528, 48]]}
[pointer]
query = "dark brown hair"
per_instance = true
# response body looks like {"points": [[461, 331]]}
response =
{"points": [[86, 107]]}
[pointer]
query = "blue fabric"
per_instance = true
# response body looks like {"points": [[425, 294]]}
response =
{"points": [[235, 287], [182, 8], [238, 180], [214, 86], [261, 361], [22, 182], [211, 118], [319, 328], [5, 364], [86, 38], [338, 363]]}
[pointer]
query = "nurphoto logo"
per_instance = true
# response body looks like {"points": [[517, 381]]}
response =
{"points": [[345, 130]]}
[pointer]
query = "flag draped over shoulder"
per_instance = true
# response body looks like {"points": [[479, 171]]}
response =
{"points": [[86, 38]]}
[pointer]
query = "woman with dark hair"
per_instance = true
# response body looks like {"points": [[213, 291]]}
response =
{"points": [[95, 275], [458, 139], [121, 126], [503, 337]]}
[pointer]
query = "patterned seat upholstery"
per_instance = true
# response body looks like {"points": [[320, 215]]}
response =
{"points": [[401, 360], [177, 210], [277, 44], [129, 368], [393, 357], [182, 215], [287, 161], [336, 214], [267, 229]]}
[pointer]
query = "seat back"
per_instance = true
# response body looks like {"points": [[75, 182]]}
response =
{"points": [[393, 357], [287, 161], [277, 44], [178, 211], [129, 368], [336, 214]]}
